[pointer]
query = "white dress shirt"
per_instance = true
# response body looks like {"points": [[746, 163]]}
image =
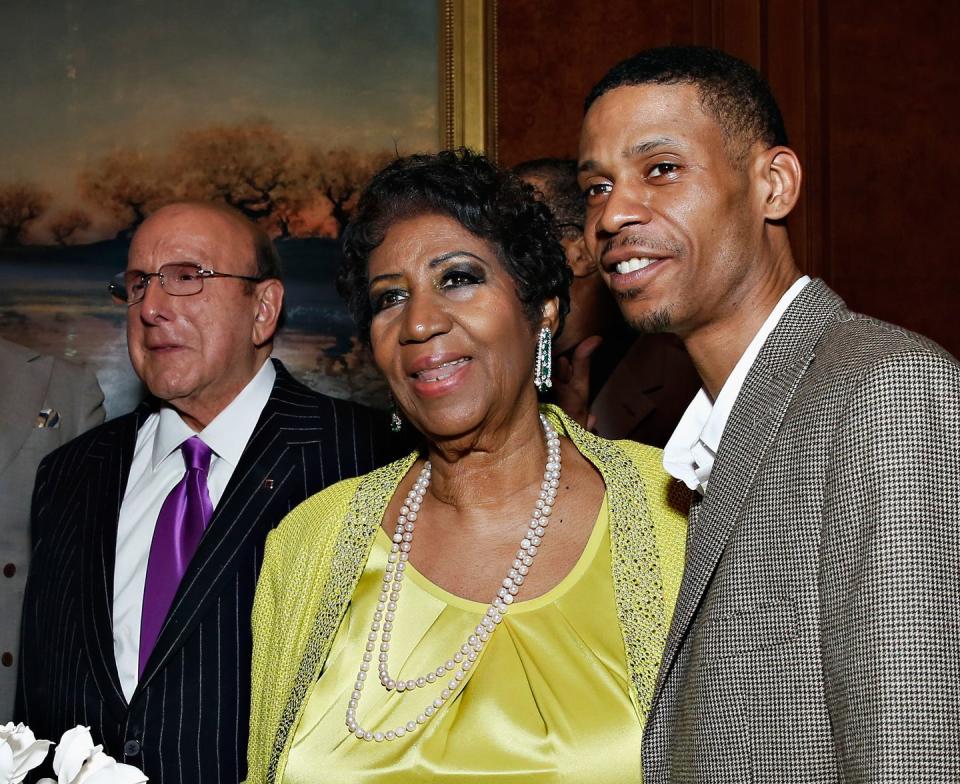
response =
{"points": [[691, 450], [156, 468]]}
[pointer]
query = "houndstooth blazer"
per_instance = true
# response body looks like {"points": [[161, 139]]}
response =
{"points": [[817, 633]]}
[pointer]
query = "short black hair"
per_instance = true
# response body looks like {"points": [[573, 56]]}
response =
{"points": [[489, 202], [730, 90], [560, 190]]}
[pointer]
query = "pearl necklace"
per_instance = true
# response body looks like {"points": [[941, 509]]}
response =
{"points": [[463, 659]]}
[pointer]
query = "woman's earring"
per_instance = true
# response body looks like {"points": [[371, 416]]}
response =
{"points": [[542, 369], [396, 423]]}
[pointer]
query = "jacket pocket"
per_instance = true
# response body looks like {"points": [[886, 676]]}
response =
{"points": [[752, 629]]}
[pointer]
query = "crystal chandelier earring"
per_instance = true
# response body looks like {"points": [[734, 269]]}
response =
{"points": [[396, 423], [543, 367]]}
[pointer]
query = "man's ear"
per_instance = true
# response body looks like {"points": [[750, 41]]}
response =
{"points": [[269, 297], [577, 257], [551, 314], [780, 175]]}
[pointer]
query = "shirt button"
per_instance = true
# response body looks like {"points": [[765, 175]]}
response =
{"points": [[131, 748], [9, 570], [6, 659]]}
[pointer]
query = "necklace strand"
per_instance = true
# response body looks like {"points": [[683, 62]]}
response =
{"points": [[458, 665]]}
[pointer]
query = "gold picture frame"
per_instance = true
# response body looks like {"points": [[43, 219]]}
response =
{"points": [[468, 87]]}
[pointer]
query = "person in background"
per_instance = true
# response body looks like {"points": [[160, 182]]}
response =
{"points": [[538, 563], [616, 383], [149, 529], [44, 402], [817, 632]]}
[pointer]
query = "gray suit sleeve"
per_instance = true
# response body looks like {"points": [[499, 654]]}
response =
{"points": [[74, 391], [88, 402], [890, 574]]}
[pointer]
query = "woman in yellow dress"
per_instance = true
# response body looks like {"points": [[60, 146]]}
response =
{"points": [[496, 604]]}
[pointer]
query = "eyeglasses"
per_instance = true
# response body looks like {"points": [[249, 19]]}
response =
{"points": [[180, 279]]}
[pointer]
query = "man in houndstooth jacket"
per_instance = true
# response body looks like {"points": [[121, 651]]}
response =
{"points": [[817, 632]]}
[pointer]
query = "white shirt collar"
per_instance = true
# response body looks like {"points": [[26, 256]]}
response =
{"points": [[228, 432], [691, 450]]}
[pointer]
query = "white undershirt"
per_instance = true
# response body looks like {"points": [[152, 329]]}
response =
{"points": [[156, 468], [691, 450]]}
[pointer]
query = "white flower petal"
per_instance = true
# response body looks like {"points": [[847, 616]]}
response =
{"points": [[118, 773], [103, 769], [97, 761], [22, 752], [28, 758], [6, 761], [72, 751], [18, 736]]}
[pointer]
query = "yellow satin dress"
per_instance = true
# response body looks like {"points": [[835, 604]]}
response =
{"points": [[547, 702]]}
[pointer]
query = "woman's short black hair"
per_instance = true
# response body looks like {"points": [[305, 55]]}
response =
{"points": [[489, 202]]}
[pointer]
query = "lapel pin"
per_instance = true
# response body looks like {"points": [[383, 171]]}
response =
{"points": [[268, 484]]}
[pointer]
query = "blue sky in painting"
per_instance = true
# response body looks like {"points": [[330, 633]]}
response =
{"points": [[79, 78]]}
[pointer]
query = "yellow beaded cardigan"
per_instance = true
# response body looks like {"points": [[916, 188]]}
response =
{"points": [[315, 557]]}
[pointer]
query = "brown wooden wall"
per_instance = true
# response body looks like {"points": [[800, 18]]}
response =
{"points": [[869, 90]]}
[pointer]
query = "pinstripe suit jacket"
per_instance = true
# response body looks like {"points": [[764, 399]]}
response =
{"points": [[187, 720], [817, 633]]}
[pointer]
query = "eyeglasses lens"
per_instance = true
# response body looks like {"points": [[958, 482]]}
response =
{"points": [[179, 280]]}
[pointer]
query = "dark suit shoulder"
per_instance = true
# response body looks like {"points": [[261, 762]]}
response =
{"points": [[363, 431], [292, 397]]}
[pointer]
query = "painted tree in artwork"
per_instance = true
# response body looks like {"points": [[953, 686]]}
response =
{"points": [[128, 185], [340, 175], [20, 205], [65, 226], [251, 167]]}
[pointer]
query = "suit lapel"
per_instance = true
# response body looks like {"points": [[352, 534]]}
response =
{"points": [[272, 454], [18, 416], [750, 431], [103, 484]]}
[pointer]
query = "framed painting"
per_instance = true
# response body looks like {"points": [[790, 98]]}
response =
{"points": [[280, 110]]}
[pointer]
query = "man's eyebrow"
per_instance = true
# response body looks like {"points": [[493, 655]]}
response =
{"points": [[587, 165], [643, 148], [636, 150]]}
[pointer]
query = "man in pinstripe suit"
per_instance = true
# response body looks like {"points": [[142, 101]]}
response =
{"points": [[203, 297], [816, 636]]}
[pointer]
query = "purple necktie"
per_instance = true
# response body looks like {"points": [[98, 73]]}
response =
{"points": [[180, 526]]}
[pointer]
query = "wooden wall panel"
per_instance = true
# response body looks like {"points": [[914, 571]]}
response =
{"points": [[894, 161], [550, 53], [781, 40]]}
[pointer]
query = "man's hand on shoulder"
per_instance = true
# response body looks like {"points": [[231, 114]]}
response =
{"points": [[571, 381]]}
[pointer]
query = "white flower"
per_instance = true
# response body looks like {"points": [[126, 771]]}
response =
{"points": [[20, 752], [72, 751], [78, 761], [101, 768]]}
